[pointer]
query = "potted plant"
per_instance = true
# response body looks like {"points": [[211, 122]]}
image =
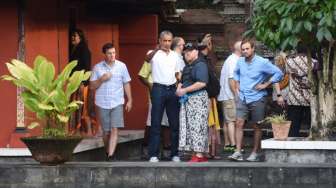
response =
{"points": [[49, 98], [280, 126]]}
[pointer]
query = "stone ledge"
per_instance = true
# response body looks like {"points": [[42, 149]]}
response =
{"points": [[85, 145], [299, 150], [167, 174], [298, 143]]}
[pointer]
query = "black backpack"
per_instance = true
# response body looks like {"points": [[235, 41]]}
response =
{"points": [[213, 86]]}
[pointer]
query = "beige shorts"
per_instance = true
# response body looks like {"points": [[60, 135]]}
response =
{"points": [[229, 110]]}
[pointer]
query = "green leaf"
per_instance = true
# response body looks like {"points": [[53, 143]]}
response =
{"points": [[328, 35], [284, 44], [86, 76], [63, 118], [320, 34], [60, 100], [324, 32], [308, 25], [33, 125], [319, 15], [13, 71], [74, 105], [26, 84], [329, 20], [65, 74], [46, 74], [45, 106], [7, 78], [282, 24], [38, 61], [322, 21], [298, 27], [289, 24], [31, 102], [281, 9], [293, 42], [74, 82], [25, 71]]}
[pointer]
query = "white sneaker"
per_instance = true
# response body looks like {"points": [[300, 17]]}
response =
{"points": [[253, 157], [176, 159], [154, 160], [236, 156]]}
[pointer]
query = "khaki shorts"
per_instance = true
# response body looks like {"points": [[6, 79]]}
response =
{"points": [[229, 111]]}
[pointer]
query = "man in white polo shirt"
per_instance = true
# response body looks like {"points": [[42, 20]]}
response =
{"points": [[165, 68], [226, 95]]}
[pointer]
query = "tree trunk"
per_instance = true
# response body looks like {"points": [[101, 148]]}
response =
{"points": [[322, 112], [322, 104]]}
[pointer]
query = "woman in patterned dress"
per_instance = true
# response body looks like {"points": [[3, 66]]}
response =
{"points": [[299, 91], [194, 105]]}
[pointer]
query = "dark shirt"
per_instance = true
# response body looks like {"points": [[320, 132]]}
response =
{"points": [[82, 54], [195, 72], [208, 61]]}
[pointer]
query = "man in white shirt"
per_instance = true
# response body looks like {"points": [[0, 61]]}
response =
{"points": [[165, 69], [177, 46], [227, 97]]}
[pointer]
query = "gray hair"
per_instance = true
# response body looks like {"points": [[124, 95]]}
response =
{"points": [[176, 40], [237, 46], [164, 33]]}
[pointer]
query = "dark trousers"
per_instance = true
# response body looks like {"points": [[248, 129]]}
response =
{"points": [[298, 115], [163, 97]]}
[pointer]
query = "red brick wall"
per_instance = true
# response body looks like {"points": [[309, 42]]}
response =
{"points": [[8, 50], [137, 36]]}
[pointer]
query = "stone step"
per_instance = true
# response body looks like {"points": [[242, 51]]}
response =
{"points": [[167, 174]]}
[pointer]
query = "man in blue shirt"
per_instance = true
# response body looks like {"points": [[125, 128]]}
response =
{"points": [[253, 74]]}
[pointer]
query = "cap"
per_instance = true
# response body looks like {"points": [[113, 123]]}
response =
{"points": [[190, 46]]}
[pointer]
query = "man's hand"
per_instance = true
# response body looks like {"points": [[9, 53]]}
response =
{"points": [[128, 106], [150, 86], [261, 86], [281, 101], [180, 92], [106, 76]]}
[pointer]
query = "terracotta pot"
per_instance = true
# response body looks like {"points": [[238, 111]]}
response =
{"points": [[51, 151], [281, 130]]}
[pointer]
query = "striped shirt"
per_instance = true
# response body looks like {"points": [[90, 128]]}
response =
{"points": [[111, 92], [299, 86]]}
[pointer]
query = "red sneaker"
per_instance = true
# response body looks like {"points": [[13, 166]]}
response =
{"points": [[202, 159], [194, 159]]}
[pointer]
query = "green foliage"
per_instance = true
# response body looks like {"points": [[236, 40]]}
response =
{"points": [[46, 96], [282, 24], [280, 118]]}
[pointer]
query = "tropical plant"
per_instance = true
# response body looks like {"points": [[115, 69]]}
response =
{"points": [[285, 24], [276, 118], [48, 97]]}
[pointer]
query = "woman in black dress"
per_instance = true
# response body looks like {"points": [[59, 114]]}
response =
{"points": [[81, 53]]}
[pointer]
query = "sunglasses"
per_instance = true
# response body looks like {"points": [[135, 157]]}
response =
{"points": [[189, 45]]}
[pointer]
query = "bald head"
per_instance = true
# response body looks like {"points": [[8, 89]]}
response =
{"points": [[237, 47]]}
